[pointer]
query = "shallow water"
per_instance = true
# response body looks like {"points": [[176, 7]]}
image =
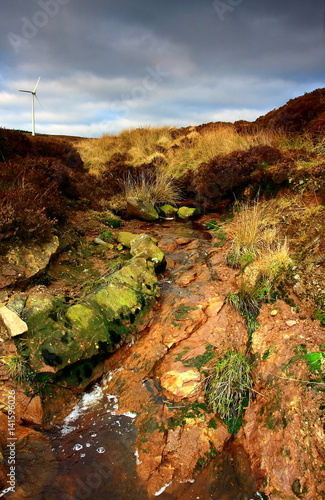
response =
{"points": [[94, 449]]}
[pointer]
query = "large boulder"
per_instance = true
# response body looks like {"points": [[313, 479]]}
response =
{"points": [[62, 334], [24, 262], [141, 209], [143, 246]]}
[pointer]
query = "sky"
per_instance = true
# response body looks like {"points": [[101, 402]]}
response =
{"points": [[109, 65]]}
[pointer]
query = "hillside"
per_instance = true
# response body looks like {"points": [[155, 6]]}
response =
{"points": [[162, 310]]}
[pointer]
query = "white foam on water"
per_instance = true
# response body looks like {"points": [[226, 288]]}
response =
{"points": [[159, 492], [77, 447], [130, 414], [137, 459], [87, 400]]}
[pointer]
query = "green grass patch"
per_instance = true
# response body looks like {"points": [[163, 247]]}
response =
{"points": [[218, 232], [107, 235], [229, 387], [271, 350], [193, 410], [320, 315], [182, 312]]}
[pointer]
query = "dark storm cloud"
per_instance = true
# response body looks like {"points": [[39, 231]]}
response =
{"points": [[132, 62]]}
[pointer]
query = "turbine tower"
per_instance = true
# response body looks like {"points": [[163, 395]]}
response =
{"points": [[33, 92]]}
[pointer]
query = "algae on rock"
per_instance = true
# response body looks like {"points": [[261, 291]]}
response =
{"points": [[61, 334]]}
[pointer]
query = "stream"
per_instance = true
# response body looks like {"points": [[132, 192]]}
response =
{"points": [[93, 452]]}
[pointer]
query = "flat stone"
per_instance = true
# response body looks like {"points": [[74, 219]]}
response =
{"points": [[182, 383], [291, 322], [13, 323], [183, 241], [24, 262]]}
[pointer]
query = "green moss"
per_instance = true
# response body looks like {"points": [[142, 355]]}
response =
{"points": [[320, 315], [186, 212], [180, 356], [200, 464], [182, 312], [270, 422], [193, 410], [316, 361], [218, 232], [271, 350], [151, 425], [202, 359], [213, 423], [106, 235]]}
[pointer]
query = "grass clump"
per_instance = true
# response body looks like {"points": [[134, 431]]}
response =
{"points": [[155, 187], [20, 371], [229, 387], [261, 255]]}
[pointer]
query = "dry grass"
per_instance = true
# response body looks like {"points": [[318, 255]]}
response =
{"points": [[155, 187], [140, 145], [259, 248], [254, 229], [196, 148], [187, 152]]}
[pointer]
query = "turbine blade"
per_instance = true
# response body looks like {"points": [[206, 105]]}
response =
{"points": [[36, 85], [28, 91], [39, 102]]}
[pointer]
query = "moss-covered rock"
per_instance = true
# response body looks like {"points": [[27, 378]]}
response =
{"points": [[141, 209], [124, 237], [186, 212], [168, 210], [61, 334], [143, 246]]}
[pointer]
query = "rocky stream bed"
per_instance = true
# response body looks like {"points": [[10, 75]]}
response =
{"points": [[139, 426]]}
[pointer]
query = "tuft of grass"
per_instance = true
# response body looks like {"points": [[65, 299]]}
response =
{"points": [[229, 387], [16, 367], [254, 229], [155, 187]]}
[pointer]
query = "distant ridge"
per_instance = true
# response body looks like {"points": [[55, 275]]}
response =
{"points": [[304, 114]]}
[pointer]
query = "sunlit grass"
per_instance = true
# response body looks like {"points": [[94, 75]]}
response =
{"points": [[156, 187], [177, 152]]}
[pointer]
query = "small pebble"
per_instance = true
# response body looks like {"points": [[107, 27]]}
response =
{"points": [[291, 322]]}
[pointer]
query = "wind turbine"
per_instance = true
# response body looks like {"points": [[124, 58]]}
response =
{"points": [[33, 92]]}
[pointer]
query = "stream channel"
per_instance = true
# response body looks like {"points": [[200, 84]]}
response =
{"points": [[93, 452]]}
